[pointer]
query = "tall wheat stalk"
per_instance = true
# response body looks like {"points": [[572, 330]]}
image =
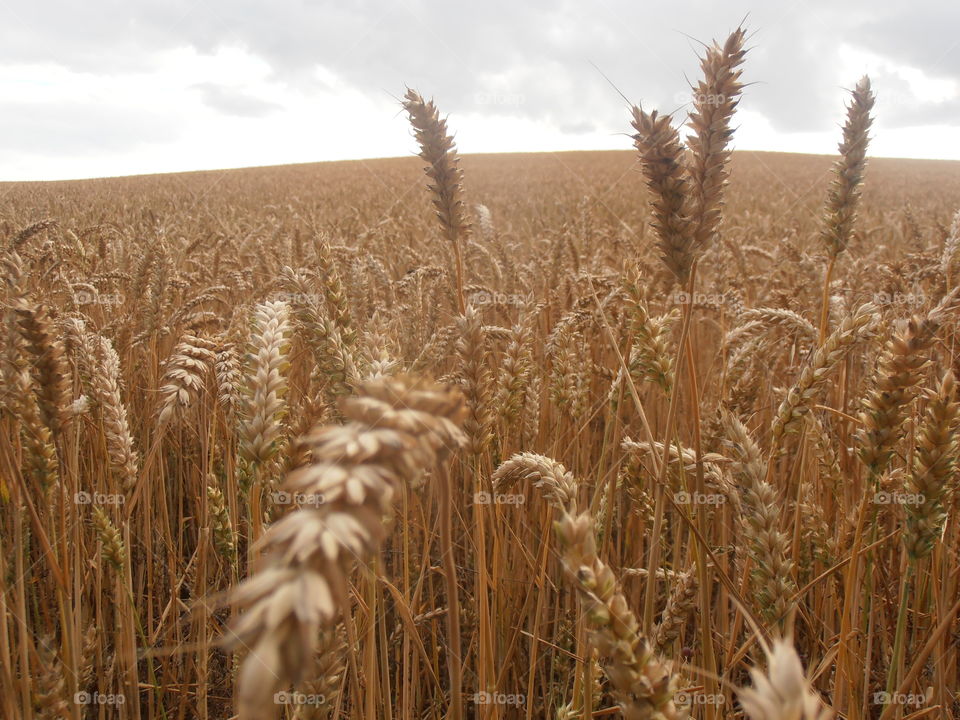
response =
{"points": [[440, 153]]}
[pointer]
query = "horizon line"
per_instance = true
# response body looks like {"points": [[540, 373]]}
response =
{"points": [[240, 168]]}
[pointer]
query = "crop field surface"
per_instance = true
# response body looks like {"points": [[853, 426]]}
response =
{"points": [[662, 433]]}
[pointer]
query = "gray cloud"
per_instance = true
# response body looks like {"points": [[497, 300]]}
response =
{"points": [[53, 129], [231, 101], [922, 34], [532, 59]]}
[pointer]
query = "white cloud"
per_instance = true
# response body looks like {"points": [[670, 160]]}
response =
{"points": [[907, 84], [169, 122], [155, 87]]}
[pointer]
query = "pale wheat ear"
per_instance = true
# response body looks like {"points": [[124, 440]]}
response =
{"points": [[396, 429], [680, 606], [951, 246], [558, 485], [105, 384], [262, 430], [472, 351], [185, 375], [815, 376], [783, 692], [643, 685]]}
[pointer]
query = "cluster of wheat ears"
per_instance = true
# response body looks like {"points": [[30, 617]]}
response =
{"points": [[582, 441]]}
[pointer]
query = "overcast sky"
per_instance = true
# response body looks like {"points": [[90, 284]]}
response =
{"points": [[115, 87]]}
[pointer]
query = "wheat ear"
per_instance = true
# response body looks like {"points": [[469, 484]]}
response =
{"points": [[224, 539], [951, 246], [265, 401], [396, 429], [783, 692], [105, 383], [48, 365], [51, 687], [843, 198], [814, 376], [472, 351], [642, 684], [112, 550], [679, 608], [840, 212], [899, 372], [714, 101], [184, 377], [934, 465], [558, 485], [661, 157], [768, 545], [443, 169]]}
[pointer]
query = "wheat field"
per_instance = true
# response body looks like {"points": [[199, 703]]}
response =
{"points": [[662, 433]]}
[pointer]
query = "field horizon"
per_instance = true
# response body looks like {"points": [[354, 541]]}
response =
{"points": [[467, 157]]}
